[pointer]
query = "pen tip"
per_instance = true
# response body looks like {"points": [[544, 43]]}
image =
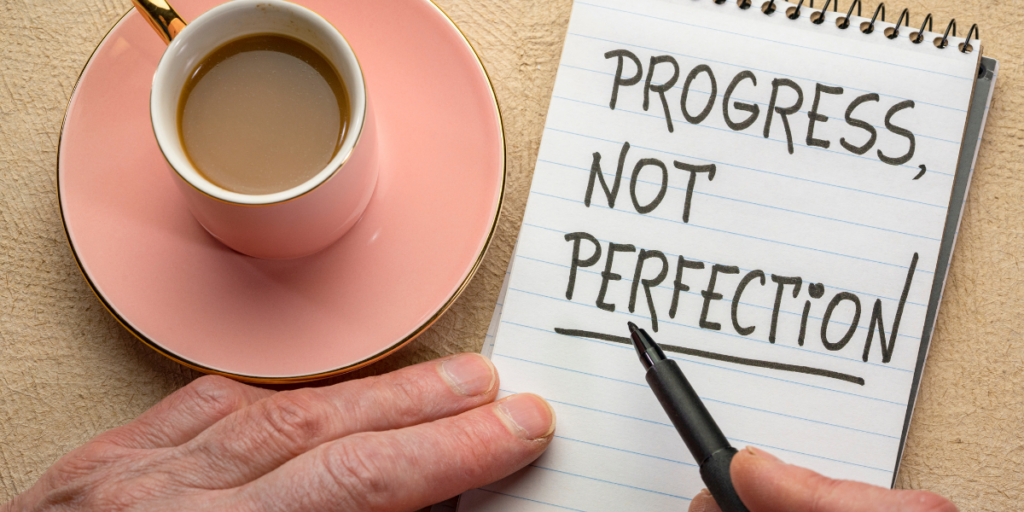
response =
{"points": [[632, 327]]}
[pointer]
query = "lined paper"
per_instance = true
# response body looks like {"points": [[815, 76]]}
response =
{"points": [[860, 233]]}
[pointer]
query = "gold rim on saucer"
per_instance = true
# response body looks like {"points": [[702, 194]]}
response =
{"points": [[314, 376]]}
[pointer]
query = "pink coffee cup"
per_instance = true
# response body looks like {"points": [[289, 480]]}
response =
{"points": [[288, 224]]}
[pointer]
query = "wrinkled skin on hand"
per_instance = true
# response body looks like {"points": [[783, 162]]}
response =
{"points": [[766, 484], [396, 442]]}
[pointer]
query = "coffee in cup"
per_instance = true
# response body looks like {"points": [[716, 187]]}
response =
{"points": [[273, 166], [262, 114]]}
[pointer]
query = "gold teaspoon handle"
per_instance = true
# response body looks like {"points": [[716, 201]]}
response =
{"points": [[161, 16]]}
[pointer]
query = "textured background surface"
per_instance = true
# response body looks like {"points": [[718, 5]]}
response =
{"points": [[68, 371]]}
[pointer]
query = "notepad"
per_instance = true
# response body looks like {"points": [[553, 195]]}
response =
{"points": [[774, 200]]}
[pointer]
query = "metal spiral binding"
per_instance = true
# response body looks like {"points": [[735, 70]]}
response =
{"points": [[942, 43], [794, 12], [844, 22], [918, 36], [894, 32], [965, 47], [867, 27], [820, 18]]}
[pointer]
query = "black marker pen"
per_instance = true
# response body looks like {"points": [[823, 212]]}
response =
{"points": [[702, 436]]}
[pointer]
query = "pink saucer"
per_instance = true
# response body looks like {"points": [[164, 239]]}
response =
{"points": [[442, 174]]}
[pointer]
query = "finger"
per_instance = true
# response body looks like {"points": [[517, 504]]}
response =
{"points": [[412, 467], [766, 484], [704, 502], [186, 412], [255, 440]]}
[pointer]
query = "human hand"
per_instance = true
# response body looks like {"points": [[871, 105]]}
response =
{"points": [[395, 442], [766, 484]]}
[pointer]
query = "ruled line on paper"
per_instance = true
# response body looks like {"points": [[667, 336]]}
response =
{"points": [[529, 499], [610, 482], [716, 333], [708, 194], [743, 269], [811, 9], [734, 439], [706, 93], [758, 137], [759, 363], [757, 306], [804, 384], [756, 69], [735, 166], [695, 225], [815, 216], [724, 402], [624, 450]]}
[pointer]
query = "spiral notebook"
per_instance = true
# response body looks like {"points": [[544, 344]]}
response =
{"points": [[776, 200]]}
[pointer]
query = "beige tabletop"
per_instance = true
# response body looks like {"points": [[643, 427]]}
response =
{"points": [[68, 371]]}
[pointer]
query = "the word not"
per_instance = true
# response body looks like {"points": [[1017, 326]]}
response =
{"points": [[611, 192]]}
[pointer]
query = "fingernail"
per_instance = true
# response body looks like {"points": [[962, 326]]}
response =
{"points": [[469, 374], [528, 416], [704, 502], [757, 452]]}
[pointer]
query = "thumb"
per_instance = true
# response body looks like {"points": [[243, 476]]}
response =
{"points": [[766, 484]]}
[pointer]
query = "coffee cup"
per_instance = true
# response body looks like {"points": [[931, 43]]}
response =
{"points": [[302, 219]]}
